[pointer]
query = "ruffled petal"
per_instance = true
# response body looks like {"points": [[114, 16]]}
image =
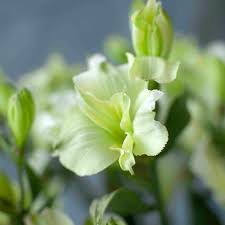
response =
{"points": [[152, 68]]}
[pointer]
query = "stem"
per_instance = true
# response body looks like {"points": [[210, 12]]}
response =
{"points": [[157, 192], [21, 181]]}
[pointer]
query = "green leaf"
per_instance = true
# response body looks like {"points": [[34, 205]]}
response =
{"points": [[49, 217], [177, 119], [115, 220], [152, 68], [98, 207], [7, 195], [34, 182]]}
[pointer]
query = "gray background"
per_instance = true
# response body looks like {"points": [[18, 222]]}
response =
{"points": [[32, 29]]}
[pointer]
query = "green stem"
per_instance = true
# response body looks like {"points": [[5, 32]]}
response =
{"points": [[21, 181], [157, 192]]}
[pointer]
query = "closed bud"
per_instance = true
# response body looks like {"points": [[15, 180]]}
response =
{"points": [[21, 111], [116, 47], [6, 91], [152, 31]]}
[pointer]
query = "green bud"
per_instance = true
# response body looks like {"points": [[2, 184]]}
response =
{"points": [[152, 31], [136, 5], [116, 47], [6, 90], [21, 111]]}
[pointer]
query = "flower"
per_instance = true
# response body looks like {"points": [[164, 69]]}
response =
{"points": [[152, 31], [21, 110], [112, 120]]}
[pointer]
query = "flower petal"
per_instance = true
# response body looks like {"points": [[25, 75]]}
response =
{"points": [[153, 68], [126, 159], [102, 113], [104, 81], [85, 148], [150, 136], [122, 103]]}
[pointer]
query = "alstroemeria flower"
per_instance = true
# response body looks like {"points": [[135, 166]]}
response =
{"points": [[113, 120]]}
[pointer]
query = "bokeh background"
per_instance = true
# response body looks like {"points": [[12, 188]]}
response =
{"points": [[30, 30]]}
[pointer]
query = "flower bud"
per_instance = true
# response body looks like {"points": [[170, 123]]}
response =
{"points": [[21, 111], [116, 47], [6, 90], [152, 31]]}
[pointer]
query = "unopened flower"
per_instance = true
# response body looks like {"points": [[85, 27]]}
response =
{"points": [[152, 31], [21, 110], [114, 120]]}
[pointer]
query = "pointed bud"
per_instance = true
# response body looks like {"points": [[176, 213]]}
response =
{"points": [[6, 91], [21, 111], [152, 31]]}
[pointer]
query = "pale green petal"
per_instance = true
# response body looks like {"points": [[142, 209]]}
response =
{"points": [[104, 81], [113, 115], [153, 68], [122, 103], [126, 159], [85, 148], [146, 101], [102, 113], [150, 136], [95, 61]]}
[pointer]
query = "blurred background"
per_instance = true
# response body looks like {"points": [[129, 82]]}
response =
{"points": [[31, 30]]}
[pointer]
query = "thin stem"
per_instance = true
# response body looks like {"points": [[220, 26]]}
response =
{"points": [[21, 181], [157, 192]]}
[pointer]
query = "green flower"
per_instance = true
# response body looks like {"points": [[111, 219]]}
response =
{"points": [[113, 120], [116, 47], [21, 110], [152, 31]]}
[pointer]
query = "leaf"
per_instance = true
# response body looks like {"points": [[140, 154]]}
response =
{"points": [[34, 181], [127, 202], [7, 195], [98, 207], [49, 217], [177, 119]]}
